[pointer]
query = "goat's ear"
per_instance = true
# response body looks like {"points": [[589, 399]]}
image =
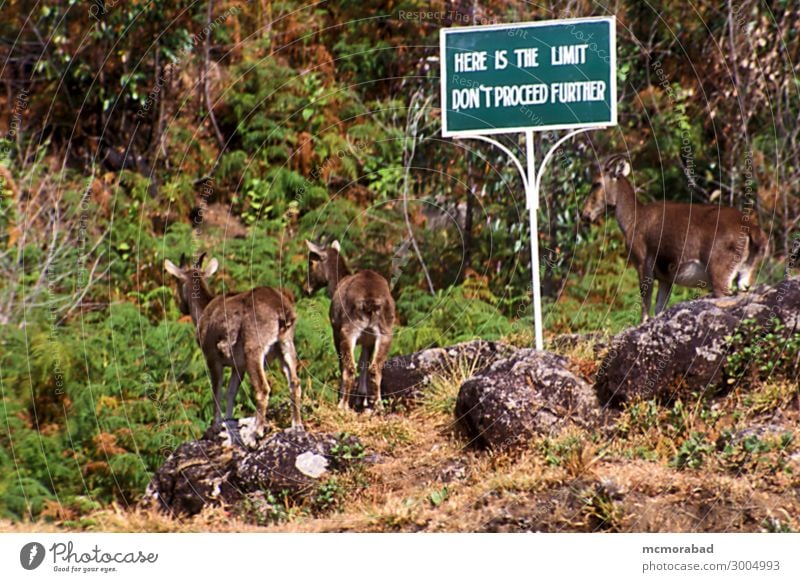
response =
{"points": [[173, 270], [335, 246], [315, 249], [622, 168], [211, 268]]}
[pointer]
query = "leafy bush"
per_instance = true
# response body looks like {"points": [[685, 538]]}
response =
{"points": [[97, 407], [763, 352], [693, 451]]}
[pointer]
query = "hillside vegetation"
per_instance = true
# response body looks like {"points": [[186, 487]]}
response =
{"points": [[144, 131]]}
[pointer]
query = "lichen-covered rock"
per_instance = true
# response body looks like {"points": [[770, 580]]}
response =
{"points": [[406, 377], [292, 460], [686, 348], [230, 464], [197, 474], [530, 393]]}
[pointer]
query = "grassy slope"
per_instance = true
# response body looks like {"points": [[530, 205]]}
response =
{"points": [[423, 476]]}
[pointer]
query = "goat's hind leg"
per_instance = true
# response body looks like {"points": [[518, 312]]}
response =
{"points": [[258, 378], [347, 365], [381, 351], [289, 367], [646, 285], [233, 389], [231, 424], [367, 351], [215, 370], [664, 291]]}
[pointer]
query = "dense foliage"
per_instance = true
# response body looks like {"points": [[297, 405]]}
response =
{"points": [[132, 132]]}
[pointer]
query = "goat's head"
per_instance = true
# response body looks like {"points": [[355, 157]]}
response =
{"points": [[604, 187], [322, 264], [191, 279]]}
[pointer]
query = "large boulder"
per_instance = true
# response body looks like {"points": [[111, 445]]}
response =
{"points": [[406, 377], [686, 348], [530, 393], [230, 464]]}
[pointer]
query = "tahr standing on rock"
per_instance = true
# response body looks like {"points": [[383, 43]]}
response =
{"points": [[362, 313], [239, 331], [692, 245]]}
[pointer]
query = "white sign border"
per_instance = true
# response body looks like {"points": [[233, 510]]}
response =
{"points": [[443, 32]]}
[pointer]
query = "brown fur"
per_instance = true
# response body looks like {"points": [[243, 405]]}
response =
{"points": [[684, 244], [239, 331], [362, 313]]}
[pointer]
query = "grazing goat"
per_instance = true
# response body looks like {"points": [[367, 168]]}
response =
{"points": [[362, 313], [691, 245], [239, 331]]}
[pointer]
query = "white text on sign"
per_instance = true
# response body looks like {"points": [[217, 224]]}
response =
{"points": [[533, 94], [573, 54], [524, 58]]}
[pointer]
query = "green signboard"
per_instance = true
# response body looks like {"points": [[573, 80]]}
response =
{"points": [[507, 78]]}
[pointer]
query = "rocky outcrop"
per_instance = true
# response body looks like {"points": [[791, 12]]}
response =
{"points": [[406, 377], [530, 393], [229, 465], [686, 348]]}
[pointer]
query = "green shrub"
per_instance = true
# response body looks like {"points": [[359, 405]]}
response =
{"points": [[762, 352]]}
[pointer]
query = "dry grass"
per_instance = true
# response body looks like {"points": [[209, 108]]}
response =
{"points": [[423, 476]]}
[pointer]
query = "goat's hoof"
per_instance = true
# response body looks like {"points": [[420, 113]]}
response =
{"points": [[232, 426]]}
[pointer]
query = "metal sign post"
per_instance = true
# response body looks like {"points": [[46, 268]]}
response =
{"points": [[527, 77]]}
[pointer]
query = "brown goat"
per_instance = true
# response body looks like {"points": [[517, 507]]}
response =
{"points": [[362, 313], [239, 331], [692, 245]]}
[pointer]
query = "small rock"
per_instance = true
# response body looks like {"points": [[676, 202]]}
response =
{"points": [[311, 464]]}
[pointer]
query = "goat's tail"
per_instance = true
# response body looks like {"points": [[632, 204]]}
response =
{"points": [[370, 305], [287, 317], [286, 320]]}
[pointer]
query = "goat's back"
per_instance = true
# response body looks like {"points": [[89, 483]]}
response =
{"points": [[693, 231], [257, 316], [364, 296]]}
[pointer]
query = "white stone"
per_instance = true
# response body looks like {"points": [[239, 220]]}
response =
{"points": [[311, 464]]}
